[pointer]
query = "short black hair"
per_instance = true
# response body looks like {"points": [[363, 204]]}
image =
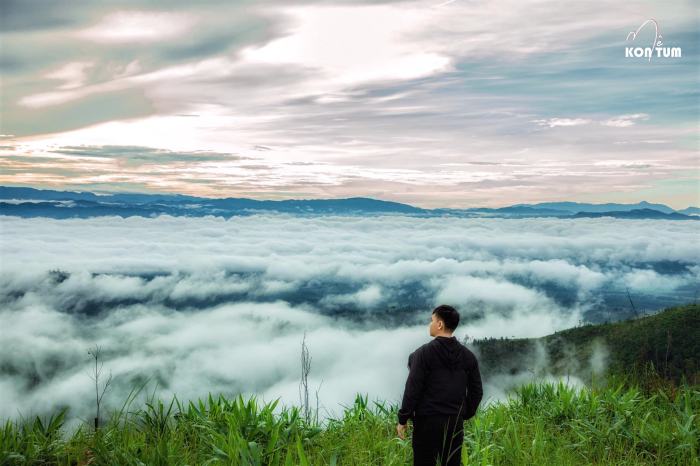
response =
{"points": [[448, 314]]}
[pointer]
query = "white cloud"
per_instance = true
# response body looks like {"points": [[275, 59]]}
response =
{"points": [[73, 74], [138, 26], [206, 303], [465, 291], [367, 297], [560, 271], [351, 44], [623, 121], [554, 122], [649, 281]]}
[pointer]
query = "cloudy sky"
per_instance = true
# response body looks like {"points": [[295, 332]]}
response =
{"points": [[434, 103]]}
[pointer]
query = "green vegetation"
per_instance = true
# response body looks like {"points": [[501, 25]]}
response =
{"points": [[668, 340], [636, 417]]}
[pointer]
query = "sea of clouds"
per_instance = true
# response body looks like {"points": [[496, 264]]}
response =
{"points": [[208, 305]]}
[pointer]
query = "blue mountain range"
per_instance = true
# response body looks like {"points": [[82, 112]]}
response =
{"points": [[31, 202]]}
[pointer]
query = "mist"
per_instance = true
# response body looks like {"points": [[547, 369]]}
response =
{"points": [[209, 305]]}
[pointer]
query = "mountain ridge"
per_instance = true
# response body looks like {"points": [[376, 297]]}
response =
{"points": [[32, 202]]}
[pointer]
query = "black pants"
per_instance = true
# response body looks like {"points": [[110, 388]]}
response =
{"points": [[437, 437]]}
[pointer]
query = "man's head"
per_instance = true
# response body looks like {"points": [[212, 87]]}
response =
{"points": [[443, 321]]}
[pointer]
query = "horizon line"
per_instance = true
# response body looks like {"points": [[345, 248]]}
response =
{"points": [[106, 192]]}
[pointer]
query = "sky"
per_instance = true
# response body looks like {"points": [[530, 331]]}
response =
{"points": [[432, 103], [222, 305]]}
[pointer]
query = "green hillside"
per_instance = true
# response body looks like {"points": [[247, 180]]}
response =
{"points": [[668, 340]]}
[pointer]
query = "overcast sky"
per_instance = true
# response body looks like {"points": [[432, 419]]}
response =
{"points": [[433, 103]]}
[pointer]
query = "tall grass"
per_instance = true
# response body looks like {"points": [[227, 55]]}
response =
{"points": [[613, 422]]}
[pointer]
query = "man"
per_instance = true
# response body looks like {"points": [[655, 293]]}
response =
{"points": [[443, 390]]}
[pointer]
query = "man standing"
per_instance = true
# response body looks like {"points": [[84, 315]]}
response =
{"points": [[443, 390]]}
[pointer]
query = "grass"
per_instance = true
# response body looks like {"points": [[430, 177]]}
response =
{"points": [[616, 421]]}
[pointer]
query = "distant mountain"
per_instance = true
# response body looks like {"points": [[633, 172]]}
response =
{"points": [[519, 211], [690, 211], [575, 207], [10, 192], [30, 202], [638, 213]]}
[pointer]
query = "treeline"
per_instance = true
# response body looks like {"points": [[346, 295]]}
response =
{"points": [[667, 340]]}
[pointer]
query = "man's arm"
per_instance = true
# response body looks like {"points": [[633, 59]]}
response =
{"points": [[474, 391], [415, 383]]}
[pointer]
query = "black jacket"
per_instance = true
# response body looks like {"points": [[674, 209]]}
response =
{"points": [[443, 378]]}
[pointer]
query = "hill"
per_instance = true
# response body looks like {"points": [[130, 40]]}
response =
{"points": [[670, 340]]}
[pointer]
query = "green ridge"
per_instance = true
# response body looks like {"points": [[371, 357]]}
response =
{"points": [[669, 340]]}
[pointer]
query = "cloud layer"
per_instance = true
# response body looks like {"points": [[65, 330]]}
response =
{"points": [[207, 304]]}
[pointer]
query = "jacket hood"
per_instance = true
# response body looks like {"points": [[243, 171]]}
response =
{"points": [[449, 350]]}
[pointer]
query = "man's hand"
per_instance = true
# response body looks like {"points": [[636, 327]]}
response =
{"points": [[401, 430]]}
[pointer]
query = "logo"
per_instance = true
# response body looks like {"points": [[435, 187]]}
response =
{"points": [[656, 48]]}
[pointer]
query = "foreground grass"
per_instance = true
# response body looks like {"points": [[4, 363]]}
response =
{"points": [[542, 423]]}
